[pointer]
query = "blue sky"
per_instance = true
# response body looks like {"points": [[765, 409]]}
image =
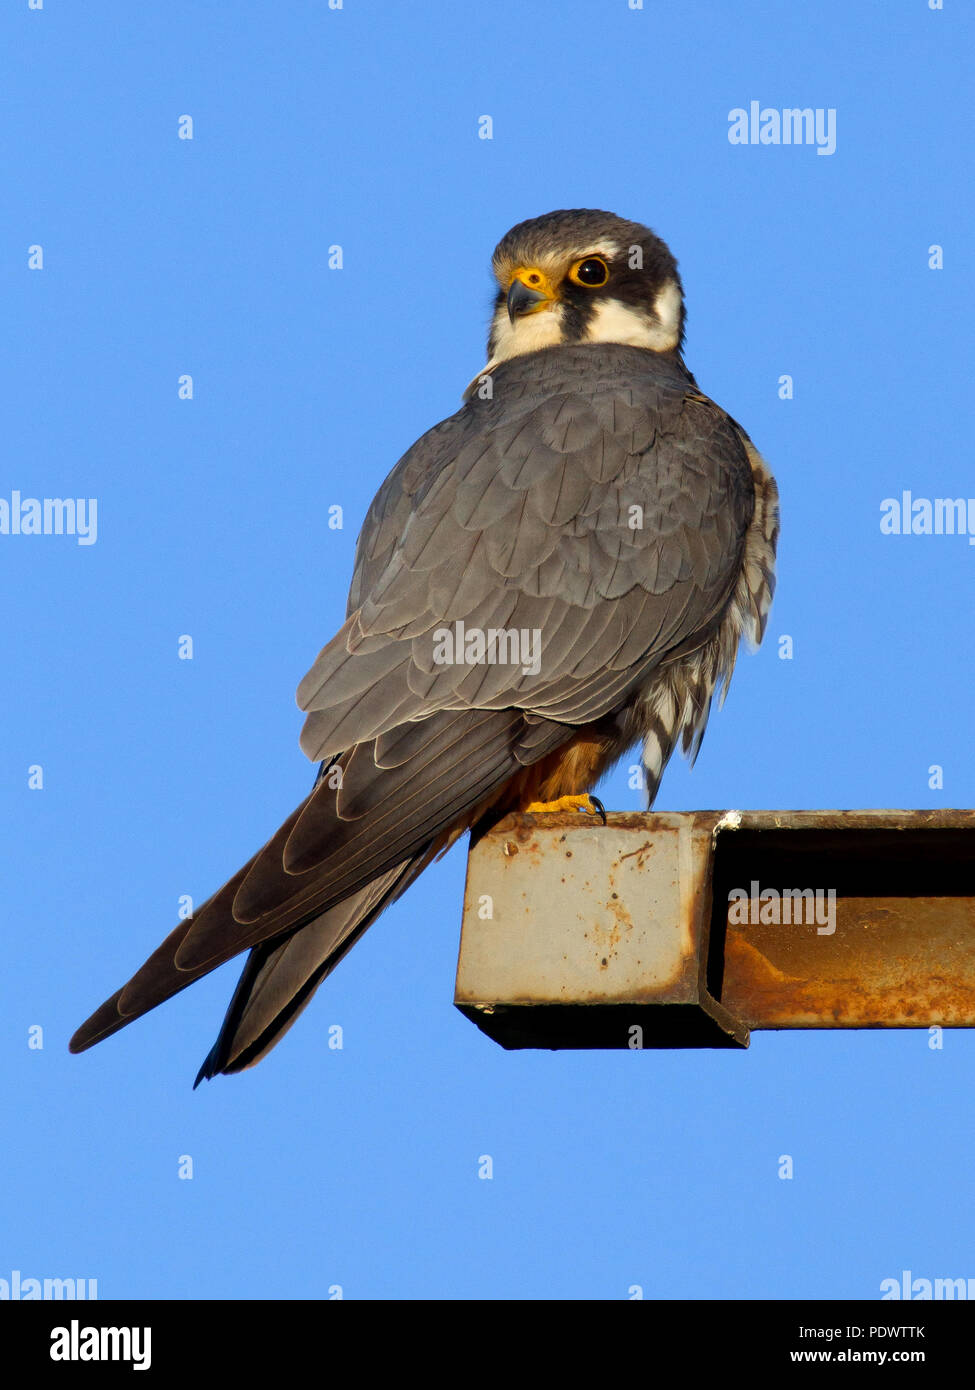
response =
{"points": [[161, 257]]}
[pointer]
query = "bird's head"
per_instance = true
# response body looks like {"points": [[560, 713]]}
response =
{"points": [[581, 276]]}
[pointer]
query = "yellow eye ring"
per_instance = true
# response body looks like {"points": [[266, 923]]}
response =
{"points": [[591, 272]]}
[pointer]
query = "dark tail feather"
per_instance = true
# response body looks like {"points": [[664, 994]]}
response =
{"points": [[156, 980], [324, 876], [280, 977]]}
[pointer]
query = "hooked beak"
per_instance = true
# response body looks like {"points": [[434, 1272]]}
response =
{"points": [[525, 298]]}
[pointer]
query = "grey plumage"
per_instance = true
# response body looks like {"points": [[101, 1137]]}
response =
{"points": [[591, 494], [491, 475]]}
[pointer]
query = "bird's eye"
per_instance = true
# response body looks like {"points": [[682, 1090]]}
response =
{"points": [[591, 272]]}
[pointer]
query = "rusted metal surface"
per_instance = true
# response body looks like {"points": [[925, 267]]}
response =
{"points": [[680, 929], [901, 953]]}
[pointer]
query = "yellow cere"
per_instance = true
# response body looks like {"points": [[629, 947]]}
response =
{"points": [[535, 279]]}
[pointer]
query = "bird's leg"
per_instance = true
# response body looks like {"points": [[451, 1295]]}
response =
{"points": [[590, 804]]}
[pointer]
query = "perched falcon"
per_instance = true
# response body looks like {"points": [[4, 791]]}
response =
{"points": [[563, 568]]}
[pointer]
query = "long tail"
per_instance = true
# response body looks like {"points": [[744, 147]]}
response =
{"points": [[337, 861], [280, 977]]}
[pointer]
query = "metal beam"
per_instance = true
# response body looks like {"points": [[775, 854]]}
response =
{"points": [[691, 929]]}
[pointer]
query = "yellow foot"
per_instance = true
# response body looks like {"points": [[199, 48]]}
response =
{"points": [[590, 804]]}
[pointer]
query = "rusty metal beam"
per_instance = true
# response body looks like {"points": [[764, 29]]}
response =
{"points": [[671, 930]]}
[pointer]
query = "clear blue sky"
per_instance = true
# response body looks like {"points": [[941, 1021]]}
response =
{"points": [[162, 256]]}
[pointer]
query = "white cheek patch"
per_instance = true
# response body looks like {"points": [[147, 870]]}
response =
{"points": [[528, 333], [615, 322], [667, 307], [612, 322]]}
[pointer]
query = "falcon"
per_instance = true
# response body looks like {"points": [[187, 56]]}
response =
{"points": [[562, 569]]}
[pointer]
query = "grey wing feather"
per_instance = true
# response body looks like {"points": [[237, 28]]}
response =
{"points": [[609, 473], [597, 498]]}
